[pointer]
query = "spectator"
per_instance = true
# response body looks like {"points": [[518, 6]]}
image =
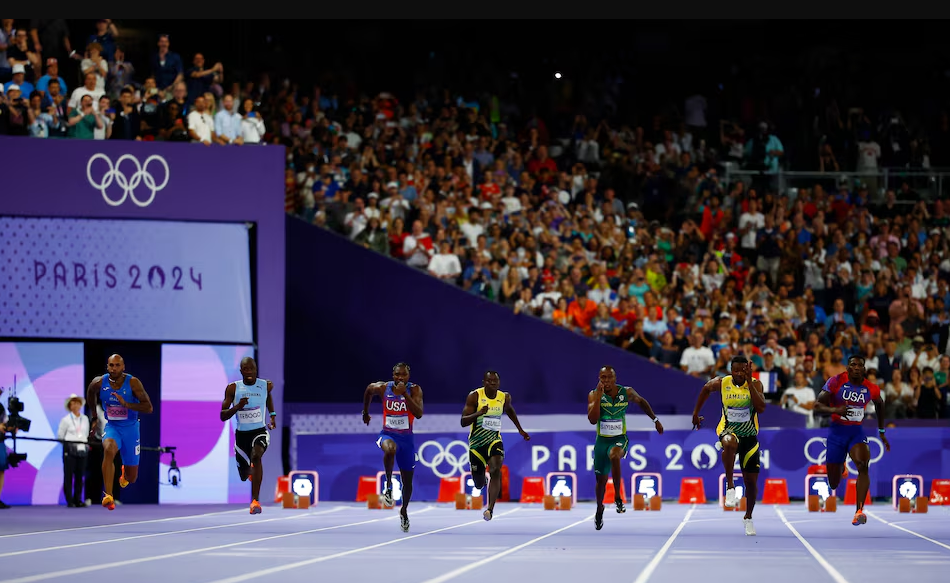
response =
{"points": [[106, 33], [52, 72], [200, 123], [167, 67], [126, 121], [121, 73], [7, 35], [199, 79], [74, 428], [19, 52], [228, 123], [15, 115], [800, 398], [88, 89], [19, 79], [106, 116], [928, 396], [445, 265], [83, 120], [96, 64], [697, 360]]}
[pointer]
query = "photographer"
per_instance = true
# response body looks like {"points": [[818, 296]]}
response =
{"points": [[74, 427], [3, 449]]}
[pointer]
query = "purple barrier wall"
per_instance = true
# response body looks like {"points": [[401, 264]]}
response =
{"points": [[785, 453], [354, 313], [61, 178]]}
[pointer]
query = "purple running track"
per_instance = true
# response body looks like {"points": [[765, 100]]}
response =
{"points": [[348, 543]]}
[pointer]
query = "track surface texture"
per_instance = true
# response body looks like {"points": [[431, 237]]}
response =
{"points": [[347, 543]]}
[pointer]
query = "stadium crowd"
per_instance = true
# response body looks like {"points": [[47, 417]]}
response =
{"points": [[627, 234]]}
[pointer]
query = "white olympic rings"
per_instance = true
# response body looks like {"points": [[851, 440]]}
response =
{"points": [[822, 455], [445, 455], [128, 184]]}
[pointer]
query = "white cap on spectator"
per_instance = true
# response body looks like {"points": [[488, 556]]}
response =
{"points": [[373, 195], [18, 68], [393, 184], [487, 205], [13, 87]]}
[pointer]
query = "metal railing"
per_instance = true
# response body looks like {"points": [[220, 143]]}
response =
{"points": [[930, 185]]}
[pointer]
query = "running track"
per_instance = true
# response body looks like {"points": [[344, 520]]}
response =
{"points": [[346, 543]]}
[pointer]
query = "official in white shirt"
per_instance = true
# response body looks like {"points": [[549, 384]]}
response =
{"points": [[74, 427]]}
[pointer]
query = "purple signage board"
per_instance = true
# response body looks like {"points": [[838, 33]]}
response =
{"points": [[115, 179], [341, 459]]}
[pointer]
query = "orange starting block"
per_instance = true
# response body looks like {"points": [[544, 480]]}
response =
{"points": [[283, 485], [448, 488], [692, 491], [366, 488], [290, 501], [465, 502], [640, 502], [558, 502], [532, 490], [818, 504], [776, 491]]}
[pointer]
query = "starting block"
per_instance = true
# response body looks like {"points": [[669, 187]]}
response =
{"points": [[561, 484], [940, 492], [283, 485], [448, 488], [776, 491], [464, 501], [558, 502], [641, 502], [692, 491], [532, 490], [304, 490], [906, 492], [365, 488], [818, 494], [851, 493]]}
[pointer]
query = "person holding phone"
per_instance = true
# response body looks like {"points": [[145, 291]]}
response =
{"points": [[252, 126]]}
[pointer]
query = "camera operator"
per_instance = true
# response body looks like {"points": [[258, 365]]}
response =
{"points": [[3, 449]]}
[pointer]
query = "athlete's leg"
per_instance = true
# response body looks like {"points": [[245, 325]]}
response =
{"points": [[109, 449], [861, 456], [494, 483], [406, 476], [616, 454], [751, 482], [836, 451], [476, 462], [729, 447], [257, 470], [389, 459]]}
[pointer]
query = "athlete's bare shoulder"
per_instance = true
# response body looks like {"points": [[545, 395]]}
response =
{"points": [[714, 384]]}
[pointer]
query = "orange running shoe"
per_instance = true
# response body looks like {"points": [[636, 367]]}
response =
{"points": [[859, 518], [844, 471], [108, 502], [122, 481], [256, 507]]}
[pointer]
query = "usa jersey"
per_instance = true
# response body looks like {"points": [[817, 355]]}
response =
{"points": [[396, 415], [855, 398]]}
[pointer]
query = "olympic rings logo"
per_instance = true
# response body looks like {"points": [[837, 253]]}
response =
{"points": [[822, 454], [444, 456], [128, 184]]}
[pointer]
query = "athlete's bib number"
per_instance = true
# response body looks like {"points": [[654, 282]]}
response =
{"points": [[397, 422], [611, 427], [491, 423], [855, 414], [117, 413], [252, 416], [735, 415]]}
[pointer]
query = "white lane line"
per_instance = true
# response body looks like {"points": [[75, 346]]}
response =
{"points": [[907, 530], [652, 565], [150, 521], [838, 577], [494, 557], [282, 568], [91, 568], [154, 534]]}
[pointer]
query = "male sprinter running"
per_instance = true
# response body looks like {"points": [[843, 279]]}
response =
{"points": [[483, 409], [607, 409], [402, 404], [250, 437], [742, 403], [123, 397], [845, 397]]}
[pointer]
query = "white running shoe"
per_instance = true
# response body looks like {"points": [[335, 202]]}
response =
{"points": [[388, 497], [749, 528], [731, 500]]}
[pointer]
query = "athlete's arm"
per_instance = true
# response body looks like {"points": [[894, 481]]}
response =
{"points": [[510, 410], [644, 405], [371, 390], [270, 406], [879, 412], [92, 399], [227, 411], [593, 404], [712, 385], [144, 405], [414, 402], [823, 404], [469, 414], [758, 396]]}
